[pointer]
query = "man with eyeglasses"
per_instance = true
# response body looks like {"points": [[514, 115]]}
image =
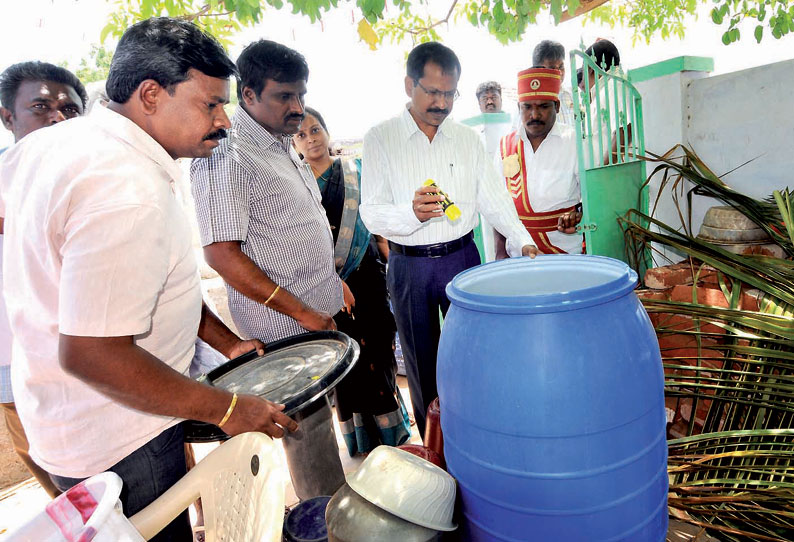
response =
{"points": [[427, 248]]}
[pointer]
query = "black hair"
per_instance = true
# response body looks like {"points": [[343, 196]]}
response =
{"points": [[548, 50], [316, 114], [487, 86], [265, 59], [164, 49], [434, 52], [16, 74], [605, 53]]}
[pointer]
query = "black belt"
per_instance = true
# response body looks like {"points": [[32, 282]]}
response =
{"points": [[433, 251]]}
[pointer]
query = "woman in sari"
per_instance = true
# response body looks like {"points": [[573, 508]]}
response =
{"points": [[368, 402]]}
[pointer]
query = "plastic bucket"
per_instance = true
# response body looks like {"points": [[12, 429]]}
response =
{"points": [[551, 389], [88, 511], [306, 521]]}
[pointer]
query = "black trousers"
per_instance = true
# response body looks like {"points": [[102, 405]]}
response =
{"points": [[417, 288]]}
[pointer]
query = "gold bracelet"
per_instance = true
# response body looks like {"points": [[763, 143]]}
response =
{"points": [[272, 295], [229, 411]]}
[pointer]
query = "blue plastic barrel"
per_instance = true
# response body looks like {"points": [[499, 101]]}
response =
{"points": [[552, 407]]}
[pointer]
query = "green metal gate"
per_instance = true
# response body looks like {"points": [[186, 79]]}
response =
{"points": [[610, 140]]}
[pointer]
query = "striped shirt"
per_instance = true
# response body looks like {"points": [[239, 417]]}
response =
{"points": [[398, 158], [254, 189]]}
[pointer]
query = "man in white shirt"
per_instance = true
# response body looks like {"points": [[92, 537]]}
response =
{"points": [[102, 286], [540, 166], [33, 95], [427, 247], [551, 54]]}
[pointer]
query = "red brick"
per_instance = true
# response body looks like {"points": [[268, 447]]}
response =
{"points": [[678, 322], [653, 295], [662, 278]]}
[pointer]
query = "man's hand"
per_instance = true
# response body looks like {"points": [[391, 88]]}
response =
{"points": [[313, 320], [243, 347], [256, 414], [529, 250], [567, 222], [426, 203], [350, 301]]}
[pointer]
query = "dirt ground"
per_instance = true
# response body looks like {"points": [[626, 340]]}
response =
{"points": [[12, 471]]}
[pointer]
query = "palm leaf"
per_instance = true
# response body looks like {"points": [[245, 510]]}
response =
{"points": [[686, 165], [735, 368], [739, 483]]}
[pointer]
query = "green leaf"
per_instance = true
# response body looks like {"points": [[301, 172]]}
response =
{"points": [[726, 38], [555, 7], [108, 29], [716, 16], [759, 33]]}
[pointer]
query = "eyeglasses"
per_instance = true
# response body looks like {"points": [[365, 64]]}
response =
{"points": [[449, 96]]}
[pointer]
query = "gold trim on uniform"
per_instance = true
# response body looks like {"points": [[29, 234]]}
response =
{"points": [[541, 74], [510, 166]]}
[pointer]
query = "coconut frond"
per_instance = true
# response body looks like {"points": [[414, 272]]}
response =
{"points": [[731, 371], [772, 214], [737, 483], [773, 276]]}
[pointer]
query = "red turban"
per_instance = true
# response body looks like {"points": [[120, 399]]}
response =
{"points": [[539, 84]]}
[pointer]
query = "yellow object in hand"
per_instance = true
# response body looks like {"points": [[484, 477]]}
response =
{"points": [[450, 209]]}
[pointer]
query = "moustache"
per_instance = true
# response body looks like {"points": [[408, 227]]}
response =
{"points": [[295, 116], [536, 123], [219, 134], [438, 110]]}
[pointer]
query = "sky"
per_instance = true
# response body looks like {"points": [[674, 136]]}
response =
{"points": [[353, 87]]}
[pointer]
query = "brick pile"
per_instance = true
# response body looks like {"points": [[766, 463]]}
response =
{"points": [[677, 283]]}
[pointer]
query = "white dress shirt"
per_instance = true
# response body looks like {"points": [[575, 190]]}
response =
{"points": [[398, 158], [552, 180], [96, 245]]}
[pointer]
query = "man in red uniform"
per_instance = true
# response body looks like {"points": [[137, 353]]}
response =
{"points": [[540, 166]]}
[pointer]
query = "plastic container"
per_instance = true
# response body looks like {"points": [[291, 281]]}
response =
{"points": [[352, 518], [550, 378], [433, 437], [89, 511], [306, 521], [425, 453], [409, 487]]}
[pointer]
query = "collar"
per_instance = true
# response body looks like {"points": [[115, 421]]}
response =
{"points": [[556, 131], [409, 126], [245, 127], [123, 128]]}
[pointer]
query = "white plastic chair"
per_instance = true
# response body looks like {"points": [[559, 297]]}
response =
{"points": [[241, 485]]}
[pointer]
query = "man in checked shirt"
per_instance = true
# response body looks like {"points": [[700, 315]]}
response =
{"points": [[259, 210]]}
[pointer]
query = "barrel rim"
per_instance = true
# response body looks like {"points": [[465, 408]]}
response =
{"points": [[625, 281]]}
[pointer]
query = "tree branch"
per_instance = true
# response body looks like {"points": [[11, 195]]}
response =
{"points": [[204, 12], [423, 29]]}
